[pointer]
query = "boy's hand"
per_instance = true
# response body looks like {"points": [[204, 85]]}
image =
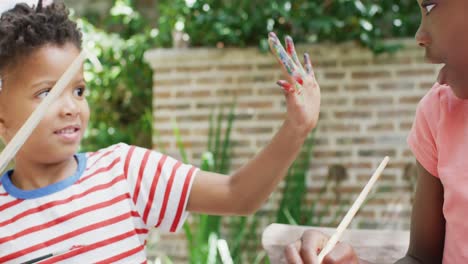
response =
{"points": [[302, 91]]}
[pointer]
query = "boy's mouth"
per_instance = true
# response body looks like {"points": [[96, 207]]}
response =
{"points": [[68, 130], [69, 134]]}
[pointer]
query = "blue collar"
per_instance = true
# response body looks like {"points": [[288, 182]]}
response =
{"points": [[44, 191]]}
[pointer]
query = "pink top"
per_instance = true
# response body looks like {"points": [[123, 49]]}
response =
{"points": [[439, 140]]}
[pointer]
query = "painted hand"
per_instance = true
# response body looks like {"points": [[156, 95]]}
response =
{"points": [[302, 91]]}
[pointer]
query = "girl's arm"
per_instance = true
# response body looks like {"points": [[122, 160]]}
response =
{"points": [[427, 233]]}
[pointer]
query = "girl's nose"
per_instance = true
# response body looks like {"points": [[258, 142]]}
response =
{"points": [[422, 37]]}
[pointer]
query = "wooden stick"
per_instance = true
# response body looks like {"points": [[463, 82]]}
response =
{"points": [[31, 123], [352, 211]]}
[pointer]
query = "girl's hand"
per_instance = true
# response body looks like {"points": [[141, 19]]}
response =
{"points": [[302, 91], [306, 250]]}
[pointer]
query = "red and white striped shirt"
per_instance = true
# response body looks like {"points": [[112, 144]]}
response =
{"points": [[102, 214]]}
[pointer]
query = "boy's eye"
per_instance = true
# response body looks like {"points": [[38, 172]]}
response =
{"points": [[79, 92], [43, 94]]}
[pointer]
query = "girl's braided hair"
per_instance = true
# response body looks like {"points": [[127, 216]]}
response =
{"points": [[24, 29]]}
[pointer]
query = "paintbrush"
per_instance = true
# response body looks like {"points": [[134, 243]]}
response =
{"points": [[352, 211]]}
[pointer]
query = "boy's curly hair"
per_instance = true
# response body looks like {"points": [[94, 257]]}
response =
{"points": [[24, 29]]}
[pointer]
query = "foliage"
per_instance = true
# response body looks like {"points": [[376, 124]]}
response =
{"points": [[120, 96], [244, 23], [241, 230], [215, 159]]}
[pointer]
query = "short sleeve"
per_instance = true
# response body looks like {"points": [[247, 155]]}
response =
{"points": [[159, 186], [422, 138]]}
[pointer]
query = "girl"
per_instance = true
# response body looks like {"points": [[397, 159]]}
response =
{"points": [[439, 140]]}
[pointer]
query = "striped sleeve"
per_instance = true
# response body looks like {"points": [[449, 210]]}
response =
{"points": [[159, 186]]}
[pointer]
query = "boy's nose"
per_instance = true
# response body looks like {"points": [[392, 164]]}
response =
{"points": [[69, 107], [422, 37]]}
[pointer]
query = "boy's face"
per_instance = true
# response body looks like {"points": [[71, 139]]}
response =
{"points": [[443, 31], [58, 135]]}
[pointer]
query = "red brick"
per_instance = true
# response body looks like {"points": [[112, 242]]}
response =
{"points": [[172, 82], [373, 101], [370, 74], [214, 80], [412, 100], [353, 114], [395, 86], [241, 67], [193, 69], [376, 152], [381, 127], [406, 125], [161, 95], [354, 62], [193, 93], [391, 60], [335, 75], [234, 92], [355, 140], [338, 127], [415, 72], [256, 105], [395, 113], [356, 87]]}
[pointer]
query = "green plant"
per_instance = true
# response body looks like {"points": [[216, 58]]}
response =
{"points": [[245, 23], [216, 159], [293, 208], [241, 230], [120, 96]]}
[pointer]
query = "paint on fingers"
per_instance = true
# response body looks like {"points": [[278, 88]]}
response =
{"points": [[293, 54], [308, 64], [283, 57], [287, 87]]}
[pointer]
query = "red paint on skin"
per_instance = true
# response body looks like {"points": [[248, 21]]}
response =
{"points": [[285, 85], [299, 80], [289, 47]]}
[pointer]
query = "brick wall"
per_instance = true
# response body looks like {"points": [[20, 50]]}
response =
{"points": [[368, 104]]}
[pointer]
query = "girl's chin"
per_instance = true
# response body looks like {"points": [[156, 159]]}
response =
{"points": [[433, 60]]}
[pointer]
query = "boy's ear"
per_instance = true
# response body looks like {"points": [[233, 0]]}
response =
{"points": [[3, 123]]}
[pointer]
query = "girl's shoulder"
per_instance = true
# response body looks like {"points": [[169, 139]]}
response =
{"points": [[438, 97]]}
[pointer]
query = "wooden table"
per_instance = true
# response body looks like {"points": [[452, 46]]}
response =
{"points": [[376, 246]]}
